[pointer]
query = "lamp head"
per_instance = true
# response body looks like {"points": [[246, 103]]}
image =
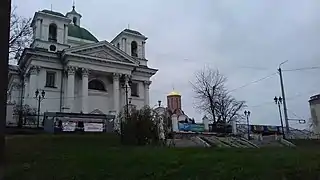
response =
{"points": [[130, 82], [43, 93], [37, 93]]}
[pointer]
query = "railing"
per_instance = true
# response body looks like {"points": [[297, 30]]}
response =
{"points": [[30, 121], [200, 141], [287, 143], [302, 135]]}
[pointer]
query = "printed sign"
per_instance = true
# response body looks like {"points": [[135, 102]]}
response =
{"points": [[68, 126], [93, 127], [191, 127]]}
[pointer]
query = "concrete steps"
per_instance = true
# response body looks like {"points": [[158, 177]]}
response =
{"points": [[188, 142], [228, 142]]}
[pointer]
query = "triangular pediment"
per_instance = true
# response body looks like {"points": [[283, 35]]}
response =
{"points": [[96, 111], [102, 51]]}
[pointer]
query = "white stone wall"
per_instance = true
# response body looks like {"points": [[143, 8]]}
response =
{"points": [[100, 100], [9, 115], [52, 96], [139, 101], [316, 117], [46, 45]]}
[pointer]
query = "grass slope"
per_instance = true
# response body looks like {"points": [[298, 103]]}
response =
{"points": [[100, 157]]}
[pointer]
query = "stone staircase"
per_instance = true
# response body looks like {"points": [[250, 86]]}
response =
{"points": [[188, 142], [202, 140], [272, 141], [228, 142]]}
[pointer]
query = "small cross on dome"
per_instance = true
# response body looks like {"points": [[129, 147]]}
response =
{"points": [[73, 4]]}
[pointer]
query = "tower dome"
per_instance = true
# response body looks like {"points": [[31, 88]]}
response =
{"points": [[174, 93], [174, 102]]}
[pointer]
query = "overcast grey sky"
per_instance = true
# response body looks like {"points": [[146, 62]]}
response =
{"points": [[186, 35]]}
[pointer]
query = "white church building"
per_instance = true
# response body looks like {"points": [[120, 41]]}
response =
{"points": [[77, 72]]}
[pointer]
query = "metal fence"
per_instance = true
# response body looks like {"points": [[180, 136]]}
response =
{"points": [[27, 121]]}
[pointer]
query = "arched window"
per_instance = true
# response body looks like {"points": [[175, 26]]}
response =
{"points": [[52, 32], [96, 85], [74, 20], [134, 49]]}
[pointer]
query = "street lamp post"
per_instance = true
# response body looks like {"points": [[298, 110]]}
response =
{"points": [[278, 101], [247, 114], [39, 98], [126, 87]]}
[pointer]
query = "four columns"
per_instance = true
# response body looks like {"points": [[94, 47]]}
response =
{"points": [[116, 90]]}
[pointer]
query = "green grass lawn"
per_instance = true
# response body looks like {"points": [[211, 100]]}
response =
{"points": [[91, 157]]}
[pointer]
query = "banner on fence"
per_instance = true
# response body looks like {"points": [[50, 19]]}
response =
{"points": [[191, 127], [93, 127], [69, 126]]}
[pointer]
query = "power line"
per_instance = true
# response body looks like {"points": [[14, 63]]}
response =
{"points": [[295, 115], [252, 82], [302, 69], [289, 99]]}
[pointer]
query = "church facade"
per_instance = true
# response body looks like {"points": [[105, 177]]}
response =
{"points": [[77, 72]]}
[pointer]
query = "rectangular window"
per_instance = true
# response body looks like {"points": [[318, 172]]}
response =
{"points": [[50, 79], [135, 89]]}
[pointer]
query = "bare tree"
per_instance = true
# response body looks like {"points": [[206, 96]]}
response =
{"points": [[20, 35], [228, 108], [213, 98]]}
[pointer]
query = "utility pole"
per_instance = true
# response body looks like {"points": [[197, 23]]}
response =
{"points": [[286, 119], [278, 101], [285, 110], [5, 9]]}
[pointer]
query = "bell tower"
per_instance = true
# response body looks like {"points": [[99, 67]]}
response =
{"points": [[74, 16], [132, 42], [50, 30]]}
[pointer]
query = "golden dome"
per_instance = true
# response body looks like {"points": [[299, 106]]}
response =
{"points": [[174, 93]]}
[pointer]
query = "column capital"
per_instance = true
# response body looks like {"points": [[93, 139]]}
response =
{"points": [[34, 70], [127, 77], [116, 76], [85, 72], [71, 69], [147, 83]]}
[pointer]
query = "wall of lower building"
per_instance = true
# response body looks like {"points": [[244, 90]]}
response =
{"points": [[315, 115]]}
